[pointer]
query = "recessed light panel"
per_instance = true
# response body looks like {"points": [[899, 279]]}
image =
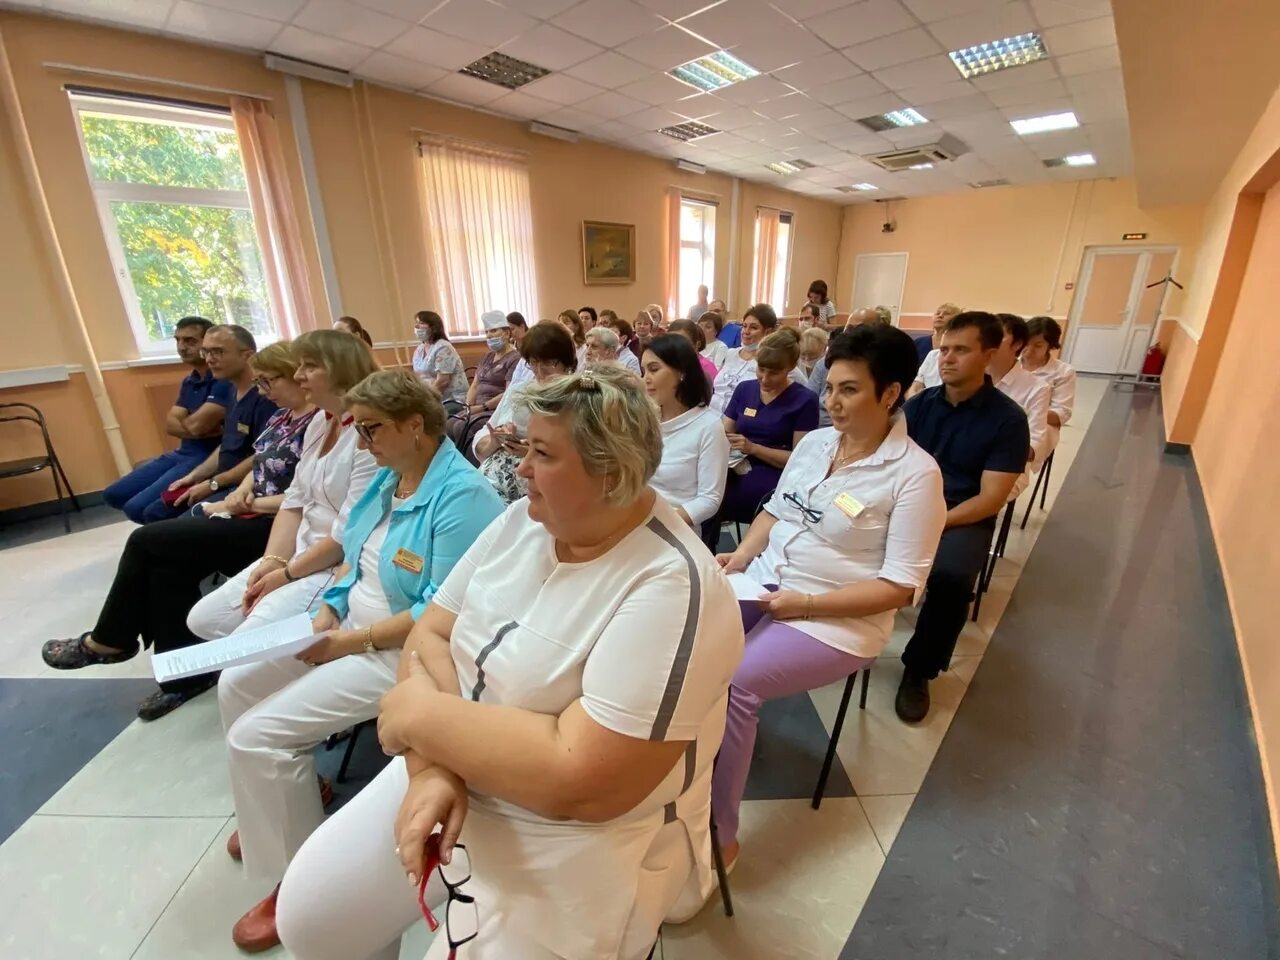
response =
{"points": [[983, 184], [505, 71], [692, 130], [907, 117], [1074, 160], [921, 166], [715, 71], [789, 166], [996, 55], [1052, 121], [863, 186]]}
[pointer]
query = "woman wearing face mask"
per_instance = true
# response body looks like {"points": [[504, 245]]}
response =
{"points": [[740, 364], [494, 372], [813, 347], [437, 364]]}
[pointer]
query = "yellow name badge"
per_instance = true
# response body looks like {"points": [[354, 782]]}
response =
{"points": [[242, 427], [749, 411], [407, 561], [848, 505]]}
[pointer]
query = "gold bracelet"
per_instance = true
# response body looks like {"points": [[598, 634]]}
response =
{"points": [[280, 560], [368, 640]]}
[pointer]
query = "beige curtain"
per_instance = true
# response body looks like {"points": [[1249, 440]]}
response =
{"points": [[767, 220], [479, 228], [274, 217], [671, 282]]}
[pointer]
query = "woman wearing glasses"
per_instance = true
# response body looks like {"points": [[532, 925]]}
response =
{"points": [[550, 352], [847, 538], [159, 575], [424, 509], [564, 694]]}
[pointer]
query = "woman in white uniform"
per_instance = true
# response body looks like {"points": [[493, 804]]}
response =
{"points": [[562, 702], [1045, 335], [306, 536], [695, 450], [437, 364], [740, 364], [847, 538], [423, 511]]}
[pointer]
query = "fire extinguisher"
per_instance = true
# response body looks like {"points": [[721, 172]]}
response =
{"points": [[1153, 364]]}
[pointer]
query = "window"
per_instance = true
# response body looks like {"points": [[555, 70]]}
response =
{"points": [[697, 251], [479, 227], [782, 266], [170, 187], [772, 263]]}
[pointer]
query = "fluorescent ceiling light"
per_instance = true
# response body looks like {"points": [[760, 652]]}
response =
{"points": [[789, 166], [505, 71], [1080, 160], [921, 166], [999, 55], [864, 186], [690, 130], [906, 117], [1052, 121], [715, 71]]}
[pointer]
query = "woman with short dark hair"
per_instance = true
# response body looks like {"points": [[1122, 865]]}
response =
{"points": [[1044, 335], [437, 364], [847, 538], [740, 364], [818, 297]]}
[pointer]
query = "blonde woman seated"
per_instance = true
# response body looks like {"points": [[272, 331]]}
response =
{"points": [[332, 474], [424, 509], [549, 351], [1044, 335], [813, 347], [847, 538], [561, 702]]}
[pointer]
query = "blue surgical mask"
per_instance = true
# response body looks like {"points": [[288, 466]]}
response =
{"points": [[495, 343], [422, 333]]}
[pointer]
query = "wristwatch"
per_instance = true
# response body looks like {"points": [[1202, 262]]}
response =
{"points": [[213, 484]]}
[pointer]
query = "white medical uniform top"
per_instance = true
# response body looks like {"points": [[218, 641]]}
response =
{"points": [[695, 463], [506, 412], [522, 373], [647, 637], [1061, 378], [895, 496], [1032, 394], [629, 360], [734, 371], [367, 602], [325, 488], [928, 373], [716, 351]]}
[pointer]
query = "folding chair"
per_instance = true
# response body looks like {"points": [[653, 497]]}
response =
{"points": [[27, 465], [352, 735], [722, 878], [1041, 478], [998, 543], [839, 725]]}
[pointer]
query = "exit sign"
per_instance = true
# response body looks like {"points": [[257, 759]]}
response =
{"points": [[1134, 236]]}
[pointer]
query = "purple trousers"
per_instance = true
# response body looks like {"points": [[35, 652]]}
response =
{"points": [[779, 661]]}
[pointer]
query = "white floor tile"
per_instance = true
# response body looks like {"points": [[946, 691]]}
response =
{"points": [[886, 815], [83, 887]]}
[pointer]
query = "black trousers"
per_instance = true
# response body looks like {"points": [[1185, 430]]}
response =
{"points": [[158, 580], [961, 554]]}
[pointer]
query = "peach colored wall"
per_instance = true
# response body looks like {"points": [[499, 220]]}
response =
{"points": [[1240, 472], [1009, 248]]}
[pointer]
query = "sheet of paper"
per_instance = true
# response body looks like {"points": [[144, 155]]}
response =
{"points": [[271, 642], [745, 588]]}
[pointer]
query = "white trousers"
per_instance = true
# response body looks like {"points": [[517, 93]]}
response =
{"points": [[275, 713], [217, 614]]}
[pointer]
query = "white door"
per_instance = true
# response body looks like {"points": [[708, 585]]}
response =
{"points": [[878, 281], [1117, 307]]}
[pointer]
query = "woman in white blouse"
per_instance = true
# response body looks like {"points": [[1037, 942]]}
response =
{"points": [[847, 538], [437, 364], [740, 364], [561, 703], [695, 450], [305, 543], [1045, 335], [716, 349]]}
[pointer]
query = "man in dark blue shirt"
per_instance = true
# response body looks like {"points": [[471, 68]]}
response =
{"points": [[981, 441], [229, 351], [195, 418]]}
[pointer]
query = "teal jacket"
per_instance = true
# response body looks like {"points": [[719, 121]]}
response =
{"points": [[428, 534]]}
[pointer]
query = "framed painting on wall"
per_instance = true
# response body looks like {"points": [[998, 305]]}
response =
{"points": [[608, 252]]}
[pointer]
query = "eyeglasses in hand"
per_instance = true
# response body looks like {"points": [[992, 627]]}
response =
{"points": [[813, 516], [461, 918]]}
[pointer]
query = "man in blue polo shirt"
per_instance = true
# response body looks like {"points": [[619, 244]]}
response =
{"points": [[980, 439], [195, 418], [229, 351]]}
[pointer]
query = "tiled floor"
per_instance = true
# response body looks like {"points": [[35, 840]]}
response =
{"points": [[126, 822]]}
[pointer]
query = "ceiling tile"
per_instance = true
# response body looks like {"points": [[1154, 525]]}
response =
{"points": [[1108, 82], [1085, 35], [282, 10], [729, 24], [733, 146], [517, 104], [808, 9], [667, 48], [398, 71], [658, 88], [616, 130], [479, 21], [612, 105], [1007, 20], [788, 45], [781, 108], [697, 106], [542, 9], [134, 13], [861, 22], [851, 88], [609, 22], [329, 51], [870, 106], [609, 70], [935, 92], [222, 26], [436, 49], [560, 89], [966, 106], [818, 119], [339, 18], [732, 118], [1093, 108], [918, 73], [899, 48], [755, 90], [1028, 93], [1029, 73], [675, 9], [413, 10], [550, 47], [655, 118], [930, 10], [818, 71], [463, 89], [1089, 61], [1052, 13], [571, 118]]}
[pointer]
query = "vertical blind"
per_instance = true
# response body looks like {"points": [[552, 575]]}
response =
{"points": [[479, 231], [762, 280]]}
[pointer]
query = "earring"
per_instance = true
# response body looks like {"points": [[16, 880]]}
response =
{"points": [[417, 440]]}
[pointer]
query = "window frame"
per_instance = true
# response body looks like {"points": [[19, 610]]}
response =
{"points": [[105, 192], [707, 250], [784, 263]]}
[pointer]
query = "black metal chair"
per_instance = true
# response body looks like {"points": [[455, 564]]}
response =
{"points": [[722, 877], [998, 543], [1041, 478], [839, 726], [351, 736], [27, 465]]}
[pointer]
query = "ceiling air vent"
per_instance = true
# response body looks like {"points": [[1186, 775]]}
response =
{"points": [[505, 71], [983, 184], [947, 148]]}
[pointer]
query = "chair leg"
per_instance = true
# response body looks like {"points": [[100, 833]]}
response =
{"points": [[866, 678], [1040, 478], [351, 748], [1047, 471], [721, 877], [66, 483], [1005, 523], [835, 740], [62, 503]]}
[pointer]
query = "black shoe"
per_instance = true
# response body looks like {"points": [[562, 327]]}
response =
{"points": [[75, 653], [162, 702], [912, 702]]}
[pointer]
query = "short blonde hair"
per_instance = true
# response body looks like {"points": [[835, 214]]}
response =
{"points": [[815, 339], [399, 395], [949, 310], [883, 315], [780, 350], [346, 359], [276, 360], [615, 426]]}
